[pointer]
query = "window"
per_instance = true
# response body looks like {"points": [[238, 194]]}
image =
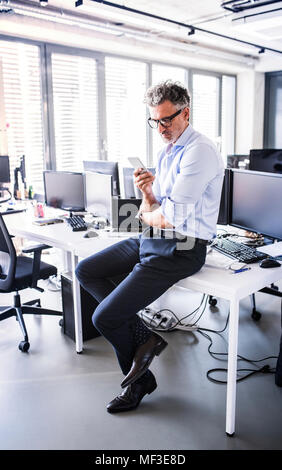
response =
{"points": [[159, 74], [228, 116], [273, 110], [23, 108], [95, 107], [75, 101], [205, 105], [125, 109]]}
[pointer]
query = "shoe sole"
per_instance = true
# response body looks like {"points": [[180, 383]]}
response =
{"points": [[122, 410], [157, 351]]}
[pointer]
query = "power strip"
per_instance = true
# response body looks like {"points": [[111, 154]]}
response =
{"points": [[187, 327], [156, 320], [162, 321]]}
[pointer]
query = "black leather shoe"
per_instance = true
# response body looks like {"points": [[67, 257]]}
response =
{"points": [[143, 358], [131, 396]]}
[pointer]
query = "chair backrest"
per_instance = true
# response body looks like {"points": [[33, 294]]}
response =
{"points": [[8, 258]]}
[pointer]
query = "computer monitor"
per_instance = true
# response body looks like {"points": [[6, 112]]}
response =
{"points": [[4, 169], [129, 188], [269, 160], [256, 202], [64, 190], [224, 208], [98, 194], [106, 168]]}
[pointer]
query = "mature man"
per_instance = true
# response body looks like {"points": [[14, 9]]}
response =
{"points": [[180, 210]]}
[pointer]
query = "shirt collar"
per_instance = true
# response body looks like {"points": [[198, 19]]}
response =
{"points": [[181, 141]]}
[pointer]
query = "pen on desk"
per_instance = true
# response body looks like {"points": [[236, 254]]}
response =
{"points": [[240, 270]]}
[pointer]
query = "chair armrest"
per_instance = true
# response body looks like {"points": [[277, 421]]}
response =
{"points": [[35, 248]]}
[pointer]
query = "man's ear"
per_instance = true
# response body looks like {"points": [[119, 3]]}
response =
{"points": [[187, 113]]}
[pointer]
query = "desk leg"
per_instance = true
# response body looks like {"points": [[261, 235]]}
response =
{"points": [[77, 306], [232, 367]]}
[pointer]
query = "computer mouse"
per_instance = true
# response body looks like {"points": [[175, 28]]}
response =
{"points": [[91, 234], [269, 263]]}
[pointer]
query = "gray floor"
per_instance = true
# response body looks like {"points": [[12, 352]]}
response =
{"points": [[54, 398]]}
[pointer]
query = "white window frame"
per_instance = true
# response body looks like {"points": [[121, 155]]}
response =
{"points": [[48, 118]]}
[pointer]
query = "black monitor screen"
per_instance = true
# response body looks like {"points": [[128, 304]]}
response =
{"points": [[106, 168], [256, 202], [266, 160], [64, 190], [4, 169]]}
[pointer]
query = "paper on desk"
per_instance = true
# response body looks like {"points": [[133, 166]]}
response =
{"points": [[275, 249]]}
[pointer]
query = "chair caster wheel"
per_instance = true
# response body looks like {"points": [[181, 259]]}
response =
{"points": [[212, 302], [256, 315], [24, 346], [61, 322]]}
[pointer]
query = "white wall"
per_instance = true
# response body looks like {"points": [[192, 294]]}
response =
{"points": [[250, 111]]}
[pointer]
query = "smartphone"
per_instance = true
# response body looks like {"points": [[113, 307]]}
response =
{"points": [[136, 163]]}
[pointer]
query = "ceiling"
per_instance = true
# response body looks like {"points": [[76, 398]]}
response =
{"points": [[263, 28]]}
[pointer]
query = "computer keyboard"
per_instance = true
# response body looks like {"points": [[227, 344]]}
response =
{"points": [[77, 223], [243, 253]]}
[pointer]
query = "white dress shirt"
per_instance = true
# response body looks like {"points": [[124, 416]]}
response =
{"points": [[188, 184]]}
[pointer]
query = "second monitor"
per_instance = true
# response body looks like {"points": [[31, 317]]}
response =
{"points": [[105, 168], [256, 202], [98, 195], [130, 190], [64, 190]]}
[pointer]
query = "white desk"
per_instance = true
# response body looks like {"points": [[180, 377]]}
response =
{"points": [[233, 287], [60, 236], [208, 280]]}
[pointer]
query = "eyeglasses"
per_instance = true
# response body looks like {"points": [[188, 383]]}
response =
{"points": [[165, 122]]}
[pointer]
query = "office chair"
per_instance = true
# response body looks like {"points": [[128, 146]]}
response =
{"points": [[20, 272]]}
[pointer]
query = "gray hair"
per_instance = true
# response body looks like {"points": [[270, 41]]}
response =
{"points": [[174, 92]]}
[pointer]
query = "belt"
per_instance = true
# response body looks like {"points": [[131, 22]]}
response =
{"points": [[179, 236], [201, 241]]}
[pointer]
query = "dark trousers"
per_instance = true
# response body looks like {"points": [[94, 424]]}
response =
{"points": [[127, 277]]}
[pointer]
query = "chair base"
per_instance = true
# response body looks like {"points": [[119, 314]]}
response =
{"points": [[19, 311]]}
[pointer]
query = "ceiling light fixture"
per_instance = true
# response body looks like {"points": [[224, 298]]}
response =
{"points": [[5, 8], [237, 6], [191, 27]]}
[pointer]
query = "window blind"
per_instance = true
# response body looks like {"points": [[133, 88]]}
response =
{"points": [[23, 108], [228, 116], [75, 100], [205, 105], [160, 73], [125, 109]]}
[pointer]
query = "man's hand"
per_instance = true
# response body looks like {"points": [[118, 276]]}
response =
{"points": [[143, 180]]}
